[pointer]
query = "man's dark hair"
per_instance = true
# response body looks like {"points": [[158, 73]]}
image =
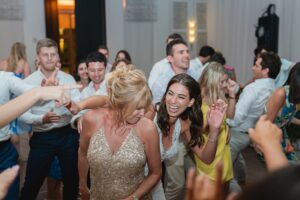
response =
{"points": [[102, 46], [218, 57], [206, 51], [95, 57], [271, 61], [169, 48], [174, 36]]}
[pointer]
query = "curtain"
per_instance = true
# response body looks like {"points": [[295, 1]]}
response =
{"points": [[90, 26], [51, 17]]}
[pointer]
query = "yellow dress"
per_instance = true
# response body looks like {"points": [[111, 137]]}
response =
{"points": [[115, 176], [222, 154]]}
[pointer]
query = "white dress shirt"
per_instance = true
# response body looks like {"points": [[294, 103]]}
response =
{"points": [[251, 104], [157, 70], [35, 115], [86, 93], [283, 75], [10, 85], [160, 85]]}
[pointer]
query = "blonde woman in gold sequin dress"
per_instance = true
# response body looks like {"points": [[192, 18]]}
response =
{"points": [[116, 142]]}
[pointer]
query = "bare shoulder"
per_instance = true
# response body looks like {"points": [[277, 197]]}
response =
{"points": [[185, 125], [93, 120], [146, 129], [279, 93]]}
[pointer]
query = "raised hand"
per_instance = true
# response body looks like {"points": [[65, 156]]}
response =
{"points": [[52, 80], [267, 136], [216, 114], [231, 87], [265, 133], [200, 187]]}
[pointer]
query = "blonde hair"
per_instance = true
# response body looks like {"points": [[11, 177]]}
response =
{"points": [[46, 43], [210, 82], [127, 90], [17, 53]]}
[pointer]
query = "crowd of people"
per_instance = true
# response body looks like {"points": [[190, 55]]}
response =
{"points": [[109, 133]]}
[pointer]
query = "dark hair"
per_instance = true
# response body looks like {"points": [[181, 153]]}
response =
{"points": [[193, 113], [271, 61], [218, 57], [127, 55], [169, 48], [95, 57], [294, 93], [114, 65], [102, 46], [281, 184], [206, 51], [77, 78], [258, 50], [174, 36]]}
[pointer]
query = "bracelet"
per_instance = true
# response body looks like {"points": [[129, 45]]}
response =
{"points": [[229, 97], [214, 140]]}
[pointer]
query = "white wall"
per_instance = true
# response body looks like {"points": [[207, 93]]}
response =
{"points": [[232, 27], [28, 30], [145, 41], [34, 27], [230, 30]]}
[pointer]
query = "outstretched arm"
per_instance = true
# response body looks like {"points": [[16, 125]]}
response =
{"points": [[19, 105], [89, 103], [268, 136]]}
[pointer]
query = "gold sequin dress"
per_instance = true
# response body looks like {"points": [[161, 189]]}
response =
{"points": [[115, 176]]}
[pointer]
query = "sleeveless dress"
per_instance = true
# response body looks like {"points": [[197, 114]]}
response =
{"points": [[287, 113], [115, 176], [222, 153]]}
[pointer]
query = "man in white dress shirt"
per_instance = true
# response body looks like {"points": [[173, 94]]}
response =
{"points": [[250, 106], [96, 63], [161, 66], [52, 134], [178, 56], [205, 53]]}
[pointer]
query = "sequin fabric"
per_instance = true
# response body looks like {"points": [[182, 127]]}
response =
{"points": [[115, 176]]}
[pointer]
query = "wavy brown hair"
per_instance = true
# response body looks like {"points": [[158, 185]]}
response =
{"points": [[193, 113]]}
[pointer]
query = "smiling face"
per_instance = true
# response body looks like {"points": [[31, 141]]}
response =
{"points": [[177, 100], [96, 71], [180, 58], [82, 71]]}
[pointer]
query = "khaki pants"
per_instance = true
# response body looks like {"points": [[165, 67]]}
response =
{"points": [[176, 169]]}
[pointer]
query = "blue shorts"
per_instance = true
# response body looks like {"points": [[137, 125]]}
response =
{"points": [[55, 170]]}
